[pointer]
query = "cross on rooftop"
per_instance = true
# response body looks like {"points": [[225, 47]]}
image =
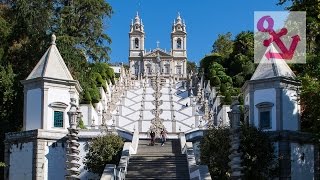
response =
{"points": [[158, 44]]}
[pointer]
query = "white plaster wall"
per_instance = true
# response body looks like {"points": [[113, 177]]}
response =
{"points": [[148, 105], [58, 95], [55, 161], [147, 115], [134, 116], [166, 105], [126, 111], [182, 127], [187, 110], [89, 113], [180, 116], [117, 69], [165, 97], [166, 115], [21, 161], [33, 109], [185, 100], [302, 169], [223, 114], [129, 102], [85, 113], [265, 95], [290, 109], [146, 125]]}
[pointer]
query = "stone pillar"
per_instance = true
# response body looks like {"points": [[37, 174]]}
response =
{"points": [[285, 158], [44, 108], [38, 159], [73, 158], [235, 156], [6, 160]]}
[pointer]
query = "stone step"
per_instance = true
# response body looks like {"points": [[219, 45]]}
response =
{"points": [[157, 174], [158, 160], [157, 178], [159, 154], [150, 165], [158, 169]]}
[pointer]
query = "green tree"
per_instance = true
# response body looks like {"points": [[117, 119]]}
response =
{"points": [[25, 31], [191, 66], [223, 45], [259, 161], [103, 150]]}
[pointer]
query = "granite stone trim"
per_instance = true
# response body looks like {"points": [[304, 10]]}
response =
{"points": [[292, 136], [6, 161], [251, 111], [284, 159], [38, 159], [316, 162]]}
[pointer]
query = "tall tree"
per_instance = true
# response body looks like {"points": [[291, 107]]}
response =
{"points": [[223, 45], [25, 31]]}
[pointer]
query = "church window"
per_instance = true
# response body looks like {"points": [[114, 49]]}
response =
{"points": [[264, 110], [167, 69], [265, 120], [179, 70], [136, 43], [58, 119], [178, 43]]}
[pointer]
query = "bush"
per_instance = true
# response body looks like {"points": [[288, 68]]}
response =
{"points": [[103, 150], [227, 98], [258, 157], [81, 124]]}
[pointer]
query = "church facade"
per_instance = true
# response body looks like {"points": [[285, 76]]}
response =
{"points": [[149, 63]]}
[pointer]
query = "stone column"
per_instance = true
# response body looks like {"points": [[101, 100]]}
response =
{"points": [[73, 165], [44, 107], [38, 159], [235, 156], [285, 158]]}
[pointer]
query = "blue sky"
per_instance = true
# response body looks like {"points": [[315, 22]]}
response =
{"points": [[205, 19]]}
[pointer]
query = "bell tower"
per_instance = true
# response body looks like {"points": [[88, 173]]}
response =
{"points": [[179, 38], [136, 45]]}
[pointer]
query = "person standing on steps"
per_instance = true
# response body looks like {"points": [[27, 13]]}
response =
{"points": [[152, 135], [163, 136]]}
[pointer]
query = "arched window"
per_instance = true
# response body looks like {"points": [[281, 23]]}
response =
{"points": [[178, 43], [136, 43]]}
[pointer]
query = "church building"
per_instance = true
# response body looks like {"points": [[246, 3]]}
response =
{"points": [[157, 60]]}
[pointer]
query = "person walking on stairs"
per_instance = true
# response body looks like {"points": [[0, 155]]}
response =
{"points": [[152, 135], [163, 136]]}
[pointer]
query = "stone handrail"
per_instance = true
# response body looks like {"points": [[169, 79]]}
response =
{"points": [[135, 142], [187, 149], [195, 171], [111, 172]]}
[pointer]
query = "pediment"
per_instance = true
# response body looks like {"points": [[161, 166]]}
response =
{"points": [[157, 52]]}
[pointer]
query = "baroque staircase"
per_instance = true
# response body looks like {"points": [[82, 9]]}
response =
{"points": [[158, 162]]}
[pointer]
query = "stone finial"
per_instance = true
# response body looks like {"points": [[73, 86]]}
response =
{"points": [[53, 39]]}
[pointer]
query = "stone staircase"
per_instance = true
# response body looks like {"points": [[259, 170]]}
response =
{"points": [[158, 162]]}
